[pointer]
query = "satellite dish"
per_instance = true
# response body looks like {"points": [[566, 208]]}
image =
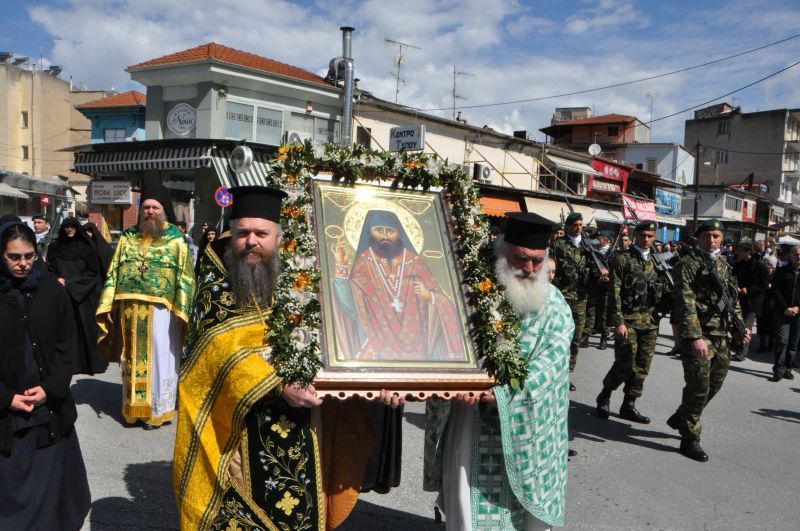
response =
{"points": [[595, 150]]}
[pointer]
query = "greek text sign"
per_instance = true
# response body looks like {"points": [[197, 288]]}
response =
{"points": [[110, 193], [407, 138], [182, 119]]}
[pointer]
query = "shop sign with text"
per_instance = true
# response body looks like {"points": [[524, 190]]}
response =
{"points": [[668, 203], [110, 193], [644, 209]]}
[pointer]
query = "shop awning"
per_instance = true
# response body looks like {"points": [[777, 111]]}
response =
{"points": [[255, 176], [571, 165], [9, 191], [498, 206], [669, 220], [555, 210], [608, 216], [97, 162]]}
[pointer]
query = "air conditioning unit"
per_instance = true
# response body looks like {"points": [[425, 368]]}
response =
{"points": [[581, 189], [295, 137], [482, 173]]}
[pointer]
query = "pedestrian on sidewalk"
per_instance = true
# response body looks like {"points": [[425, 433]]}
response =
{"points": [[786, 297], [753, 280], [43, 482]]}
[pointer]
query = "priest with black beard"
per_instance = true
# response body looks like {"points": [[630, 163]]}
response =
{"points": [[74, 259]]}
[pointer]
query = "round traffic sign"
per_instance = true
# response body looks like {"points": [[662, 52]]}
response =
{"points": [[223, 197], [44, 200]]}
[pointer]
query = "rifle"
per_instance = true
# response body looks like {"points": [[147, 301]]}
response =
{"points": [[661, 266], [727, 308], [587, 247]]}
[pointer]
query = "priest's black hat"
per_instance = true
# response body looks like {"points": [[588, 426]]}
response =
{"points": [[257, 202], [528, 230], [159, 193]]}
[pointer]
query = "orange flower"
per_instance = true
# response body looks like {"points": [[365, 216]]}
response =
{"points": [[485, 286], [411, 164], [296, 319], [291, 179], [293, 212], [283, 150], [281, 158], [498, 325], [290, 245], [302, 281]]}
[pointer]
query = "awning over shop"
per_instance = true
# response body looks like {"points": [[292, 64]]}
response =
{"points": [[669, 220], [498, 206], [9, 191], [95, 162], [608, 216], [555, 210], [571, 165], [255, 176]]}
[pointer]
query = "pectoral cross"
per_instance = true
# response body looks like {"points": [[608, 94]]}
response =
{"points": [[397, 305], [143, 269]]}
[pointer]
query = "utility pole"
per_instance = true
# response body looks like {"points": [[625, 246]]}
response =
{"points": [[696, 183], [456, 73], [652, 96], [398, 62]]}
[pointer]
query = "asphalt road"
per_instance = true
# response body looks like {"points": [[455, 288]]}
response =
{"points": [[625, 476]]}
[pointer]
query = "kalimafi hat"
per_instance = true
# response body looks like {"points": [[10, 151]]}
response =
{"points": [[160, 193], [528, 230], [257, 202]]}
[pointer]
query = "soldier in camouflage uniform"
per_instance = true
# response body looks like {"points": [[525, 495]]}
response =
{"points": [[703, 332], [573, 269], [599, 300], [636, 290]]}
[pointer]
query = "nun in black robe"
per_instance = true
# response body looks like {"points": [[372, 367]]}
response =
{"points": [[43, 483], [104, 250], [76, 263]]}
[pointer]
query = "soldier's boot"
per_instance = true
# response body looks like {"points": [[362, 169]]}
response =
{"points": [[603, 403], [691, 448], [628, 411], [603, 342], [584, 340], [673, 422]]}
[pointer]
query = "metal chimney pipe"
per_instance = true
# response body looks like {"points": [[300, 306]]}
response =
{"points": [[347, 111]]}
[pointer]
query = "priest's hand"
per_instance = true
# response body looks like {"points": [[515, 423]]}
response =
{"points": [[393, 400], [21, 403], [297, 396], [62, 281], [489, 398], [421, 291], [37, 395]]}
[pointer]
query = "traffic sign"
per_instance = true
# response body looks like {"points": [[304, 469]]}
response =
{"points": [[223, 197], [44, 200]]}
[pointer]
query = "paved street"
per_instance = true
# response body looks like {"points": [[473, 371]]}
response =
{"points": [[626, 476]]}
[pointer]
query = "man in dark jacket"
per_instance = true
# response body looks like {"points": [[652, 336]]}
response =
{"points": [[786, 296], [753, 280]]}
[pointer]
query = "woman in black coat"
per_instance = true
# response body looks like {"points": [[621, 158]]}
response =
{"points": [[104, 249], [43, 482], [74, 259]]}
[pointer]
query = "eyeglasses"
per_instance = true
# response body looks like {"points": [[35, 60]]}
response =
{"points": [[16, 257]]}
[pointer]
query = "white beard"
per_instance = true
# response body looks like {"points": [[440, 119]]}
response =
{"points": [[525, 294]]}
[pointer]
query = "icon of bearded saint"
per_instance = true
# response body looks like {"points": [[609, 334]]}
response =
{"points": [[389, 306]]}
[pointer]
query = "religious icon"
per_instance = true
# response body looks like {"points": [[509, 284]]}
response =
{"points": [[391, 295]]}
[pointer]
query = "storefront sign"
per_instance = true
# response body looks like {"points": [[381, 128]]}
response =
{"points": [[668, 203], [182, 119], [407, 138], [598, 185], [110, 193], [241, 159], [644, 209], [749, 211], [611, 171]]}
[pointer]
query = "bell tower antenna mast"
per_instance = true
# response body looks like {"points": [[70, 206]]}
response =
{"points": [[398, 63]]}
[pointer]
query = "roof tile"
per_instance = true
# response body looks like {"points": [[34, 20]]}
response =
{"points": [[132, 98]]}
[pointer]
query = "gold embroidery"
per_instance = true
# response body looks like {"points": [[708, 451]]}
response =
{"points": [[287, 504], [283, 426]]}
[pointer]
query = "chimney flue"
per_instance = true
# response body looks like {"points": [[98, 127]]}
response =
{"points": [[347, 41], [347, 110]]}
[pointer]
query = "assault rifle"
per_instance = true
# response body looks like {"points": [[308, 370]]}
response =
{"points": [[661, 265], [727, 308], [587, 247]]}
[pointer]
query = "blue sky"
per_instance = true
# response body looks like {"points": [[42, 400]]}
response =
{"points": [[513, 49]]}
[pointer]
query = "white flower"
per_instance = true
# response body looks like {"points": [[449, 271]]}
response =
{"points": [[303, 262], [302, 297], [300, 337]]}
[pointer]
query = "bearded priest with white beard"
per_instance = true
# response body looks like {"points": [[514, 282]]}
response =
{"points": [[499, 460]]}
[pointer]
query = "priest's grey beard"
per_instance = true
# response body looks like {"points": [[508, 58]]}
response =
{"points": [[251, 282], [526, 293], [152, 228]]}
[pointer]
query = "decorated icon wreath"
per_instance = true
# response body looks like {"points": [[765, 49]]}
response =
{"points": [[294, 333]]}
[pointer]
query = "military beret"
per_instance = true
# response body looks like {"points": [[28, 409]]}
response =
{"points": [[646, 225], [590, 231], [557, 227], [39, 215], [573, 217], [607, 235], [709, 225]]}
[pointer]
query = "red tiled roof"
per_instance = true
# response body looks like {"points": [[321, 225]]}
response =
{"points": [[600, 119], [218, 52], [132, 98]]}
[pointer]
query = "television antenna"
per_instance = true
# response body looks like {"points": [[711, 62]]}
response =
{"points": [[398, 63], [456, 74]]}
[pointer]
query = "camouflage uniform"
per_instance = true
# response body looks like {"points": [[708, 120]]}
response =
{"points": [[698, 316], [573, 268], [636, 291]]}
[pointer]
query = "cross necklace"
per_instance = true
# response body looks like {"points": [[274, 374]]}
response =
{"points": [[143, 248], [396, 304]]}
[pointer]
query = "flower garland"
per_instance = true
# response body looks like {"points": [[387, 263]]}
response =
{"points": [[294, 331]]}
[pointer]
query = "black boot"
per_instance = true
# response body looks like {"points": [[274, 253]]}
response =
{"points": [[584, 341], [603, 406], [691, 449], [603, 342], [628, 411], [673, 422]]}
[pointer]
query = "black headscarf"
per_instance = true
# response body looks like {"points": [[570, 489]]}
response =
{"points": [[7, 281], [68, 248], [104, 249], [382, 218]]}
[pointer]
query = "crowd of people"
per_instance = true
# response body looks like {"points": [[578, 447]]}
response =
{"points": [[187, 325]]}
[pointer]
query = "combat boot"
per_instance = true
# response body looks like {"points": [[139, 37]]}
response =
{"points": [[584, 340], [603, 403], [603, 342], [691, 449], [673, 422], [628, 411]]}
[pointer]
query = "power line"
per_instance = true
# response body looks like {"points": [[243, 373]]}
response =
{"points": [[621, 84]]}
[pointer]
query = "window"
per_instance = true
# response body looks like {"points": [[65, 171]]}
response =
{"points": [[651, 165], [239, 121], [24, 153], [248, 121], [733, 203], [613, 130], [114, 135], [24, 119], [269, 126], [720, 157], [363, 137], [724, 127], [318, 130]]}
